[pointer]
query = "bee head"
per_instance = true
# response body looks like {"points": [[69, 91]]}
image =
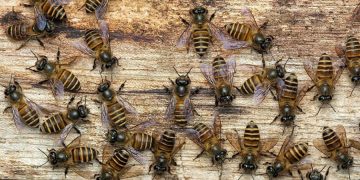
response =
{"points": [[314, 175], [161, 165], [41, 63], [182, 80], [199, 14], [52, 157], [50, 26], [249, 164], [104, 176], [274, 170], [105, 56]]}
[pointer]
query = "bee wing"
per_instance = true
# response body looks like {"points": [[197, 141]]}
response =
{"points": [[217, 125], [83, 173], [193, 135], [108, 151], [180, 143], [105, 116], [320, 145], [230, 70], [338, 66], [234, 140], [309, 68], [340, 50], [184, 37], [248, 14], [59, 2], [84, 48], [131, 109], [65, 132], [340, 131], [40, 19], [20, 125], [188, 109], [280, 85], [57, 88], [268, 143], [301, 93], [101, 9], [169, 113], [286, 144], [74, 143], [355, 144], [104, 31], [136, 155], [39, 109], [260, 92], [207, 71], [141, 126], [228, 42]]}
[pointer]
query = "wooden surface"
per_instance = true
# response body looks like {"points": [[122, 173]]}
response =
{"points": [[144, 36]]}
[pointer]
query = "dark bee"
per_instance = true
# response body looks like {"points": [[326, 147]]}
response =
{"points": [[24, 31], [288, 158], [97, 6], [220, 75], [315, 174], [250, 147], [326, 76], [59, 78], [180, 107], [200, 31], [97, 45], [165, 150]]}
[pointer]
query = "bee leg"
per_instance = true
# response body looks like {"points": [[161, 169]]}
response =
{"points": [[77, 130], [173, 162], [184, 21], [66, 171], [150, 167], [6, 109], [314, 98], [212, 16], [216, 102], [275, 118], [300, 174], [42, 82], [94, 65], [40, 42], [273, 95], [233, 156], [327, 172], [290, 173], [121, 87], [70, 102], [24, 43], [299, 108], [167, 90], [195, 91], [201, 153]]}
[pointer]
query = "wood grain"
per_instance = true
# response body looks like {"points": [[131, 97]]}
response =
{"points": [[143, 34]]}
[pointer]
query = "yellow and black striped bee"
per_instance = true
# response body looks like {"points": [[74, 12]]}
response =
{"points": [[325, 78], [73, 154], [23, 31], [52, 9], [180, 107], [288, 158], [351, 56], [97, 45], [59, 78], [97, 6], [334, 144], [261, 83], [249, 34], [315, 174], [220, 75], [114, 108], [24, 111], [200, 31], [165, 150], [289, 97], [250, 147]]}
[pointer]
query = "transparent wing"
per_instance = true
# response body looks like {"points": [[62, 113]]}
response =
{"points": [[355, 144], [301, 93], [248, 13], [230, 70], [280, 85], [39, 109], [169, 113], [284, 146], [309, 68], [104, 31], [268, 143], [57, 88], [207, 71], [131, 109], [143, 125], [193, 136], [180, 143], [260, 92], [188, 109], [136, 155], [108, 151], [59, 2], [234, 140], [101, 10], [105, 116], [217, 124], [340, 131], [228, 42], [17, 118], [320, 145], [83, 47], [184, 37], [40, 19], [340, 50], [338, 69], [65, 132]]}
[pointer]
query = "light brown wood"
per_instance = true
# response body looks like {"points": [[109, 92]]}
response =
{"points": [[144, 37]]}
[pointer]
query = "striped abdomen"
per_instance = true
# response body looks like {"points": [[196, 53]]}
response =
{"points": [[142, 141], [28, 115], [204, 132], [352, 53], [93, 39], [297, 152], [251, 135], [92, 5], [331, 139], [218, 68], [53, 11], [54, 124], [18, 31], [291, 86], [83, 154], [180, 113], [119, 160], [325, 69], [70, 81], [201, 38], [241, 32], [167, 142], [116, 114], [249, 86]]}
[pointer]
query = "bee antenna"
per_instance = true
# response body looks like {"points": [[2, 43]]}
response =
{"points": [[188, 71], [45, 155], [177, 71], [352, 90], [320, 109], [286, 63], [322, 168], [37, 57], [349, 174], [332, 107]]}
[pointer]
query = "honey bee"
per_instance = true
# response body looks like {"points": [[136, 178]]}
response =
{"points": [[180, 107], [220, 75], [326, 76], [200, 31], [249, 34], [315, 174], [261, 83], [97, 6], [351, 55], [288, 158], [114, 108], [73, 154], [24, 111], [289, 97], [24, 31], [335, 146], [97, 45], [250, 147], [60, 79], [52, 9], [165, 150]]}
